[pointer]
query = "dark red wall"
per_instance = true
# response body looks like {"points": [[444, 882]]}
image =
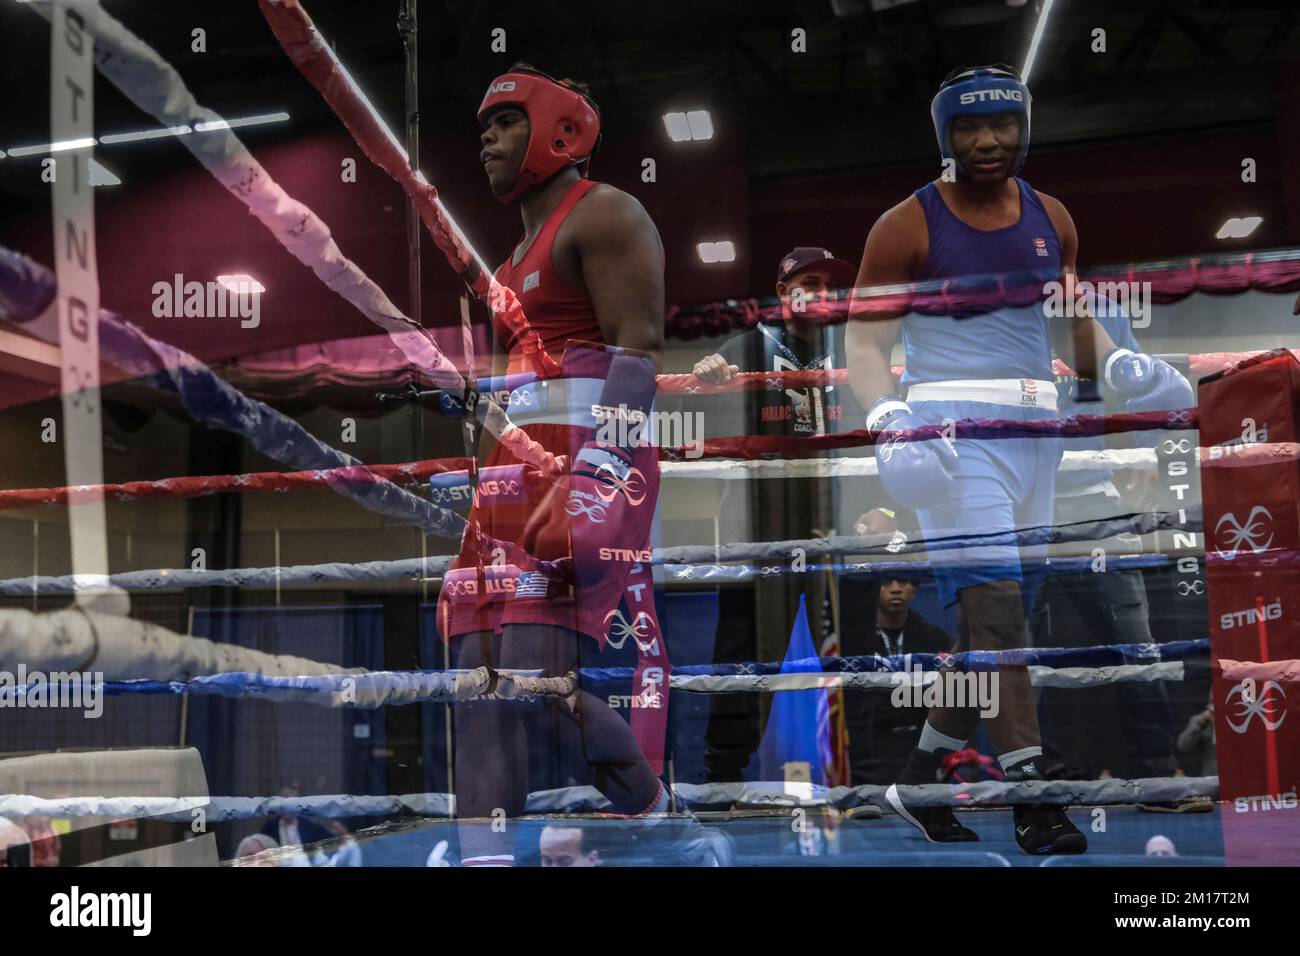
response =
{"points": [[1130, 202]]}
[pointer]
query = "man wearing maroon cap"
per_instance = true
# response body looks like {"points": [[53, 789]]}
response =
{"points": [[806, 281], [754, 619]]}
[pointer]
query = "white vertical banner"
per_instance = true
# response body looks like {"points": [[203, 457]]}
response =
{"points": [[72, 115]]}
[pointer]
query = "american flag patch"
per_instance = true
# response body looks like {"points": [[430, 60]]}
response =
{"points": [[532, 280], [530, 584]]}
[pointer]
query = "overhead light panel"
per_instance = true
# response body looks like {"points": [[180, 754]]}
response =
{"points": [[701, 124], [711, 252], [240, 283], [692, 125], [1238, 227]]}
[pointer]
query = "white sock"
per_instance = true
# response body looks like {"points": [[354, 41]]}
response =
{"points": [[931, 740]]}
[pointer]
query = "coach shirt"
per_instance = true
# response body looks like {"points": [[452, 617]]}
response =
{"points": [[794, 411]]}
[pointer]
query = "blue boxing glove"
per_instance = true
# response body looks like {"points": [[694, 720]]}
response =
{"points": [[1145, 383], [915, 473]]}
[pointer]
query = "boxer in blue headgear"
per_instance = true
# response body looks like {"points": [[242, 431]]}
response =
{"points": [[978, 225], [983, 95]]}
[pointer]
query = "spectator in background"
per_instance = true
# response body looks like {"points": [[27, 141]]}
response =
{"points": [[289, 830], [1160, 846], [883, 521], [15, 848], [45, 842], [1196, 745], [348, 852], [253, 846], [255, 851], [882, 735], [1110, 606], [566, 846], [806, 282], [806, 339]]}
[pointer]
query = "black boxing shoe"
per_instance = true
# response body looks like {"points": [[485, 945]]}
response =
{"points": [[1042, 830], [937, 824]]}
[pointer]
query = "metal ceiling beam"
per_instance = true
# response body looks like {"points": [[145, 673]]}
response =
{"points": [[1206, 42], [1284, 24], [771, 77], [1139, 47]]}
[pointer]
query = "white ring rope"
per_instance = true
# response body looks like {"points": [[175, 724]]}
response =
{"points": [[1109, 791], [866, 467], [121, 648]]}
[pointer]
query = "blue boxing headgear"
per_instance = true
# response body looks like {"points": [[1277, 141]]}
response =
{"points": [[981, 91]]}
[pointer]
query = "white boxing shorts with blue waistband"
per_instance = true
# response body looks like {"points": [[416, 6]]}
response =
{"points": [[996, 524]]}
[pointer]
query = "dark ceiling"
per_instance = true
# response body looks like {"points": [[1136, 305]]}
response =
{"points": [[1164, 59], [811, 146]]}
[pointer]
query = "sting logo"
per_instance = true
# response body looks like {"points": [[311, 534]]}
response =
{"points": [[593, 510], [632, 486], [620, 629], [1235, 534], [1251, 705]]}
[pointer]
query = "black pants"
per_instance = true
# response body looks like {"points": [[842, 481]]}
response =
{"points": [[733, 731], [1111, 608]]}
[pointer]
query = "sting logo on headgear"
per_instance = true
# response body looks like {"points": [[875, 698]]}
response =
{"points": [[564, 124], [981, 91]]}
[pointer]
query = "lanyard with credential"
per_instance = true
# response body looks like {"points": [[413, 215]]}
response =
{"points": [[788, 354], [889, 648], [819, 417]]}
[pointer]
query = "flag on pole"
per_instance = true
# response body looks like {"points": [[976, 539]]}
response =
{"points": [[796, 741], [837, 767]]}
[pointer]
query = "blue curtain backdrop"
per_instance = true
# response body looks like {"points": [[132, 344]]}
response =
{"points": [[252, 747]]}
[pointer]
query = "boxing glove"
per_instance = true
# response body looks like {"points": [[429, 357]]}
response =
{"points": [[915, 473], [1145, 383], [607, 494]]}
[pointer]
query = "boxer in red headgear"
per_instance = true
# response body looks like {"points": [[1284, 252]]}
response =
{"points": [[589, 275], [561, 129]]}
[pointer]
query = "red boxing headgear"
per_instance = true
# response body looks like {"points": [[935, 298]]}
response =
{"points": [[564, 124]]}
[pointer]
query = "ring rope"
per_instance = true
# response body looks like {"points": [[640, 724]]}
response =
{"points": [[587, 800], [368, 690], [196, 486], [703, 567]]}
